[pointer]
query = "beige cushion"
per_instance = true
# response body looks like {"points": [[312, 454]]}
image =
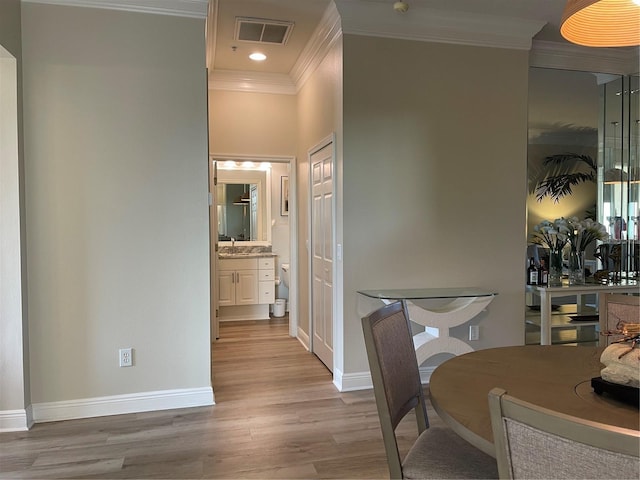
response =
{"points": [[557, 457], [440, 453]]}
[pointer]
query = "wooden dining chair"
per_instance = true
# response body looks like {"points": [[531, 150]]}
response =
{"points": [[438, 452], [616, 308], [535, 442]]}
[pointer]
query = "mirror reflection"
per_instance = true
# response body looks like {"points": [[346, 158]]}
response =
{"points": [[242, 205], [583, 135], [237, 211]]}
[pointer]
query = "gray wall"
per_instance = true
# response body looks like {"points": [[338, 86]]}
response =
{"points": [[117, 214], [430, 172], [319, 115], [10, 26], [434, 167]]}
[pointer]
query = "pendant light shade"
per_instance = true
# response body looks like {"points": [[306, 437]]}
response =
{"points": [[602, 23]]}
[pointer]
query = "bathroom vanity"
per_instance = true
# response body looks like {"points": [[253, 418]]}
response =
{"points": [[245, 265], [246, 285]]}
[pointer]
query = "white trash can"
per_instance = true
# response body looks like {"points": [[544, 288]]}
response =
{"points": [[278, 307]]}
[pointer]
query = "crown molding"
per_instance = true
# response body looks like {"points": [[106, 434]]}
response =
{"points": [[568, 56], [428, 25], [360, 17], [178, 8], [328, 31], [255, 82], [321, 41]]}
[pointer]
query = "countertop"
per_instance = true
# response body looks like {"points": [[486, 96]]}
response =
{"points": [[228, 256]]}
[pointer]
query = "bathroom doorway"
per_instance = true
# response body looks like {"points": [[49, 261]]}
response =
{"points": [[281, 222]]}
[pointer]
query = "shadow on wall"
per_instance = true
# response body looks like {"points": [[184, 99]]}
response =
{"points": [[558, 140]]}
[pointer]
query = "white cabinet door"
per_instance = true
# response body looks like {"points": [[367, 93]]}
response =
{"points": [[247, 281], [246, 287], [226, 288]]}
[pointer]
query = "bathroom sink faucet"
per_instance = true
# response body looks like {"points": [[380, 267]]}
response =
{"points": [[233, 242]]}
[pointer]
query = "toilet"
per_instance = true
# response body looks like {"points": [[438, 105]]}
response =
{"points": [[280, 305], [285, 274]]}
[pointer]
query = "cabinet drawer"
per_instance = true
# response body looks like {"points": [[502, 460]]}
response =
{"points": [[266, 292], [238, 264], [265, 263], [266, 275]]}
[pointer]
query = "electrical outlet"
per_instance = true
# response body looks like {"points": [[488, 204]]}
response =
{"points": [[474, 332], [126, 357]]}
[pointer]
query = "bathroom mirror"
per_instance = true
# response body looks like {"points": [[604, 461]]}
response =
{"points": [[237, 212], [241, 204]]}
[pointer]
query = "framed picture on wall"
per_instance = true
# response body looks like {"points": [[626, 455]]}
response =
{"points": [[284, 195]]}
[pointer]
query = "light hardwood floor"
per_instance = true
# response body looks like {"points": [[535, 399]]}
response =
{"points": [[277, 415]]}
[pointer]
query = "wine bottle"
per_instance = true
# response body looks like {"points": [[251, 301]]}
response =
{"points": [[532, 273], [543, 274]]}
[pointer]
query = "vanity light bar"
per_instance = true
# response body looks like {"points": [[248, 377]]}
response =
{"points": [[231, 165]]}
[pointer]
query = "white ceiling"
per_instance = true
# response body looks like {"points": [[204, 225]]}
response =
{"points": [[306, 14]]}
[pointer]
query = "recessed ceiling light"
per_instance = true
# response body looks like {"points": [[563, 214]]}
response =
{"points": [[258, 57]]}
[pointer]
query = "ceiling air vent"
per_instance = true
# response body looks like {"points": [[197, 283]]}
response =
{"points": [[260, 30]]}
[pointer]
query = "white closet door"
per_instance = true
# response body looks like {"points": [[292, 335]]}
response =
{"points": [[322, 254]]}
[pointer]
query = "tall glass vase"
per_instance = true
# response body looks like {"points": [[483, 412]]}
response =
{"points": [[555, 268], [576, 267]]}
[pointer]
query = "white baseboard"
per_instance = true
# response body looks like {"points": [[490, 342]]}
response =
{"points": [[362, 380], [121, 404], [351, 381], [16, 420], [303, 338]]}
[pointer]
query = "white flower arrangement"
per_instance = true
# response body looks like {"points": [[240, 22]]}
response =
{"points": [[584, 232], [552, 235]]}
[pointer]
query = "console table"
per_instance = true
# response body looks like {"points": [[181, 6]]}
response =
{"points": [[547, 293], [435, 309]]}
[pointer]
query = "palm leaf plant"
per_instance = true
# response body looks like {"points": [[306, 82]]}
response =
{"points": [[559, 173]]}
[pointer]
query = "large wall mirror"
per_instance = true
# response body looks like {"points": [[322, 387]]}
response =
{"points": [[590, 123], [242, 205], [563, 120]]}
